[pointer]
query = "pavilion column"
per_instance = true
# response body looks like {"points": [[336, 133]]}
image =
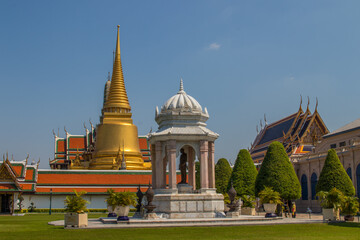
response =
{"points": [[153, 163], [211, 165], [171, 153], [159, 165], [191, 168], [204, 179]]}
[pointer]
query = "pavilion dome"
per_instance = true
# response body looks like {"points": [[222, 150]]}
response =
{"points": [[182, 102]]}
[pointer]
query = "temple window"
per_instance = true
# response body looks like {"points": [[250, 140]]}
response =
{"points": [[342, 144], [333, 145]]}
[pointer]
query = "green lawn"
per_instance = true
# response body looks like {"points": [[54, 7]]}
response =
{"points": [[34, 226]]}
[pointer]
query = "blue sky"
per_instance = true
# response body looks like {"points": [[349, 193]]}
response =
{"points": [[240, 59]]}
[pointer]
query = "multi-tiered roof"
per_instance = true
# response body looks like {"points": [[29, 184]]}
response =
{"points": [[298, 132]]}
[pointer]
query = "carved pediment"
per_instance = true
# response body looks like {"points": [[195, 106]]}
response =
{"points": [[4, 173]]}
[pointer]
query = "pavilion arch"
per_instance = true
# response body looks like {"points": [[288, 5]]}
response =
{"points": [[349, 172], [358, 180]]}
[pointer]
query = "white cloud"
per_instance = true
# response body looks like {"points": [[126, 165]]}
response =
{"points": [[214, 46]]}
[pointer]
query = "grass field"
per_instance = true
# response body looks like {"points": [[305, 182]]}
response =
{"points": [[34, 226]]}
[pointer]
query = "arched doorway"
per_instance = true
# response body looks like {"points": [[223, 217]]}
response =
{"points": [[304, 188], [313, 185], [348, 171], [358, 180]]}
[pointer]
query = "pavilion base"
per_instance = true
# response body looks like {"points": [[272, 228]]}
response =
{"points": [[182, 206]]}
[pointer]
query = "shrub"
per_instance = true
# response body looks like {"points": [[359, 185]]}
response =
{"points": [[111, 199], [126, 199], [331, 199], [75, 203], [248, 201], [244, 174], [32, 207], [333, 175], [349, 205], [277, 172], [268, 195], [222, 175]]}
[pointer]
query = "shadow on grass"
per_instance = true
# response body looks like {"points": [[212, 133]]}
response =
{"points": [[345, 224]]}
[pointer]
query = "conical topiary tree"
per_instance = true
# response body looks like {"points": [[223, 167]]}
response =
{"points": [[333, 175], [277, 172], [222, 175], [244, 174]]}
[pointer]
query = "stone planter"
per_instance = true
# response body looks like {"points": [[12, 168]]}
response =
{"points": [[248, 211], [122, 212], [270, 207], [349, 218], [330, 214], [111, 212], [76, 220]]}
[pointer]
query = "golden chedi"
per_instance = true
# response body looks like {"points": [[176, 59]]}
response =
{"points": [[117, 143]]}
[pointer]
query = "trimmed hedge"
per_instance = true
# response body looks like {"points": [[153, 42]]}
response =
{"points": [[244, 174], [333, 175], [222, 175], [277, 172]]}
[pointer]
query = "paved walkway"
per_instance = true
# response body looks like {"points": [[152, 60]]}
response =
{"points": [[242, 220]]}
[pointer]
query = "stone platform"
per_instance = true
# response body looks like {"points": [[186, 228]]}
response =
{"points": [[189, 206], [204, 222]]}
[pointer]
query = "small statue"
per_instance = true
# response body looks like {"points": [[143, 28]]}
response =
{"points": [[234, 204], [140, 196], [149, 197], [182, 165]]}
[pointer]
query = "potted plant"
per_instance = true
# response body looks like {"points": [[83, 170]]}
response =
{"points": [[248, 206], [123, 202], [330, 203], [349, 207], [75, 208], [111, 202], [269, 198]]}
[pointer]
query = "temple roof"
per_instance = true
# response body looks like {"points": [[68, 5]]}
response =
{"points": [[297, 132], [276, 130]]}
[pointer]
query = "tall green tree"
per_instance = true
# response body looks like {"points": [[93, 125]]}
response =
{"points": [[277, 172], [222, 175], [333, 175], [244, 174]]}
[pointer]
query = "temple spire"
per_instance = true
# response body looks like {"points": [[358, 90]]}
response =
{"points": [[117, 97], [181, 86]]}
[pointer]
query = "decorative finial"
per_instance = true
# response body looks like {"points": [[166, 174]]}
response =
{"points": [[316, 104], [307, 108], [257, 129], [181, 85], [265, 119], [109, 76], [300, 102], [118, 26], [261, 126]]}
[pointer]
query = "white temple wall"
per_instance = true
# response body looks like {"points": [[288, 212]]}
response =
{"points": [[43, 201]]}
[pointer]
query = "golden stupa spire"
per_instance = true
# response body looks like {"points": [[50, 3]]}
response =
{"points": [[117, 97]]}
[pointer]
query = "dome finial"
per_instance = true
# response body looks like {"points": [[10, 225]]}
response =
{"points": [[181, 85]]}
